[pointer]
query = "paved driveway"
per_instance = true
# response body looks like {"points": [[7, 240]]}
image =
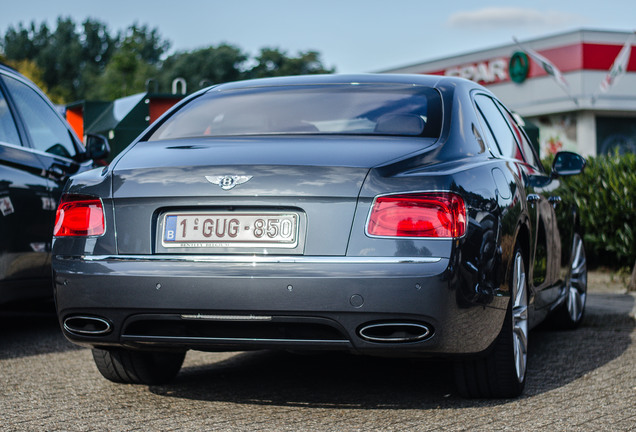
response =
{"points": [[579, 380]]}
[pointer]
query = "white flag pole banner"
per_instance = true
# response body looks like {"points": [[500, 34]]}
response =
{"points": [[549, 67], [618, 69]]}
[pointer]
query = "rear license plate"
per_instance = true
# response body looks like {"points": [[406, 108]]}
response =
{"points": [[230, 229]]}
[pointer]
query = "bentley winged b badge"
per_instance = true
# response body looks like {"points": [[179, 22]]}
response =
{"points": [[229, 181]]}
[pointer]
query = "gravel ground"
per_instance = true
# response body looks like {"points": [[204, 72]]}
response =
{"points": [[582, 380]]}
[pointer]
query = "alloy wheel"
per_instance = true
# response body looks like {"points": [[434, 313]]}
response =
{"points": [[577, 283], [520, 317]]}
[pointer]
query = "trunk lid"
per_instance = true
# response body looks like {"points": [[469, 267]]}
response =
{"points": [[317, 178]]}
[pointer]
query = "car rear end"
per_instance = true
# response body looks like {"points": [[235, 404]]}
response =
{"points": [[285, 240]]}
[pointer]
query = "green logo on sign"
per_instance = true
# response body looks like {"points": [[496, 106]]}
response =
{"points": [[518, 67]]}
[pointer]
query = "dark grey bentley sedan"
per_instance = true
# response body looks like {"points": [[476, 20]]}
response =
{"points": [[380, 214]]}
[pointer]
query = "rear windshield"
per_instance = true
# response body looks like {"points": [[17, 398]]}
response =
{"points": [[356, 109]]}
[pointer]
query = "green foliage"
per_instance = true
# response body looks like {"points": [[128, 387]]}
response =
{"points": [[606, 196], [98, 46], [145, 44], [136, 57], [87, 62], [58, 60], [214, 65], [29, 69], [203, 67], [124, 75], [272, 62], [73, 59]]}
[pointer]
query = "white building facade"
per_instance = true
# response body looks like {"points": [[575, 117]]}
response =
{"points": [[580, 117]]}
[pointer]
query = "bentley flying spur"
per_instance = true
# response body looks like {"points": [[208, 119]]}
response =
{"points": [[386, 215]]}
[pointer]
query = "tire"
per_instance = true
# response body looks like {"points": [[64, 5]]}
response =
{"points": [[501, 373], [137, 367], [569, 314]]}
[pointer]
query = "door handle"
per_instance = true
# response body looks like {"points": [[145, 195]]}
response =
{"points": [[56, 172], [533, 198]]}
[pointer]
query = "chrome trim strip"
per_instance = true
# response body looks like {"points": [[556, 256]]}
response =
{"points": [[254, 259], [202, 339], [208, 317]]}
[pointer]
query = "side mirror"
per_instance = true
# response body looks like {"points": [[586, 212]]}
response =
{"points": [[96, 146], [567, 164]]}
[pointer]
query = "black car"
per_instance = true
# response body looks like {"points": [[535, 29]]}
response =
{"points": [[38, 152], [379, 214]]}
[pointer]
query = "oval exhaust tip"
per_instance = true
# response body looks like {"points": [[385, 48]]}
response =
{"points": [[395, 332], [87, 326]]}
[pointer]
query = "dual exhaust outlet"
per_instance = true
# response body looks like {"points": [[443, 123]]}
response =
{"points": [[87, 325], [395, 332]]}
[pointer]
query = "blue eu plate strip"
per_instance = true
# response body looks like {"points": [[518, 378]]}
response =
{"points": [[170, 229]]}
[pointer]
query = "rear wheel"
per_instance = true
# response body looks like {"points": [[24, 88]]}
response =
{"points": [[502, 372], [570, 314], [137, 367]]}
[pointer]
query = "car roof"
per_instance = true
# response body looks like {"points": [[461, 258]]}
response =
{"points": [[7, 68], [435, 81], [11, 71]]}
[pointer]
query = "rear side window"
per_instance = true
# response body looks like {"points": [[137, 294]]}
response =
{"points": [[499, 128], [46, 130], [8, 130], [526, 147], [354, 109], [490, 138]]}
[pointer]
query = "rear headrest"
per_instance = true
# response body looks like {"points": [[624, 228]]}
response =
{"points": [[400, 124]]}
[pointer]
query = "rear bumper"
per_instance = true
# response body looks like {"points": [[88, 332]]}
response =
{"points": [[239, 302]]}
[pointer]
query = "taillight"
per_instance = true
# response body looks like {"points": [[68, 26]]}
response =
{"points": [[434, 214], [79, 216]]}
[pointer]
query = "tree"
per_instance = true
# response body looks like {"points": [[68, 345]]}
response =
{"points": [[58, 60], [29, 69], [144, 43], [21, 47], [203, 67], [98, 47], [87, 62], [273, 62], [65, 56], [73, 59], [135, 59], [23, 43], [124, 75]]}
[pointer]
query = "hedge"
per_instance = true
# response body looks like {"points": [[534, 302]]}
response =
{"points": [[606, 196]]}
